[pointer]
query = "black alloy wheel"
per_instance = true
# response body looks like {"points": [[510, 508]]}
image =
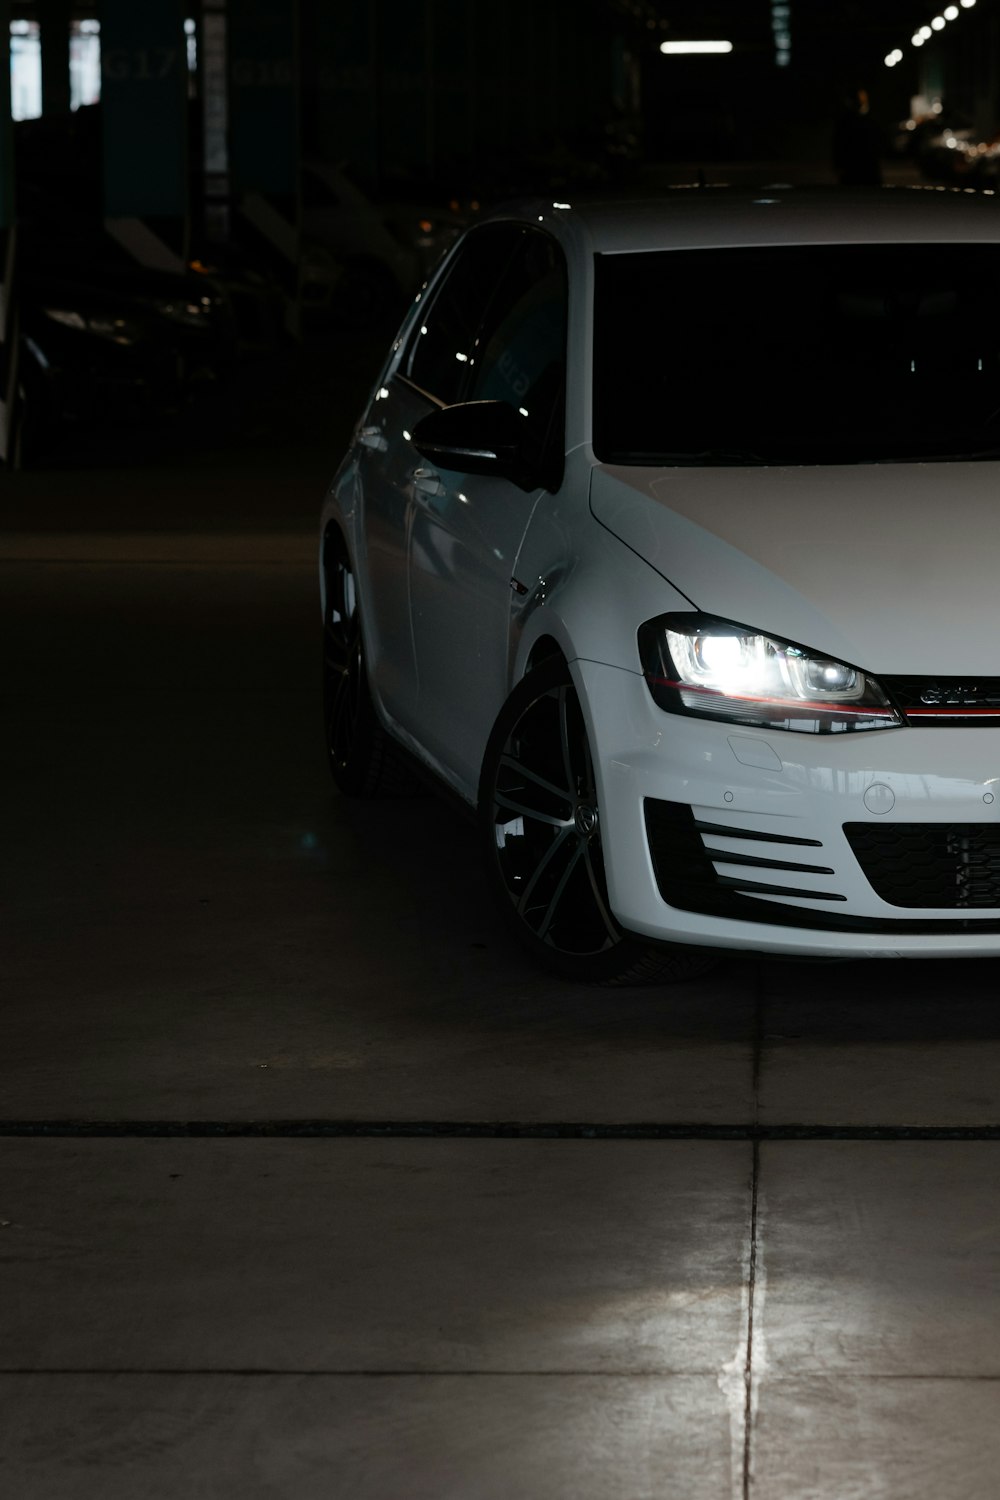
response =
{"points": [[363, 760], [541, 827]]}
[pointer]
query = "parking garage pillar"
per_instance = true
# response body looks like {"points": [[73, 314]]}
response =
{"points": [[144, 108]]}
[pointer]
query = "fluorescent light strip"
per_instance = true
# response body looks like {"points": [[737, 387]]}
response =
{"points": [[687, 47]]}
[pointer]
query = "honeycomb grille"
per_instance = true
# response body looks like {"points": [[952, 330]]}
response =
{"points": [[930, 864]]}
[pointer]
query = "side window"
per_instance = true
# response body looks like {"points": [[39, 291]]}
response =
{"points": [[521, 353], [442, 345]]}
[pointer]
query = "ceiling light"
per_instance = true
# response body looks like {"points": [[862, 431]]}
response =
{"points": [[687, 47]]}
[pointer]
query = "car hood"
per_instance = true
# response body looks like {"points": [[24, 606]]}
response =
{"points": [[895, 567]]}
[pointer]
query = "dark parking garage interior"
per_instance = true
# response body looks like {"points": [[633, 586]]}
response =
{"points": [[311, 1182]]}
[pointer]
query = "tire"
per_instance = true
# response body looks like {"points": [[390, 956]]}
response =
{"points": [[540, 829], [363, 760]]}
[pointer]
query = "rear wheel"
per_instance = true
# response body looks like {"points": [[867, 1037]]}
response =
{"points": [[363, 759], [541, 827]]}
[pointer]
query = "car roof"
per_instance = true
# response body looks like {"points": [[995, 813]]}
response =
{"points": [[695, 217]]}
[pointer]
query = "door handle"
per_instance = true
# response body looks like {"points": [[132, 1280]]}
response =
{"points": [[427, 482], [373, 437]]}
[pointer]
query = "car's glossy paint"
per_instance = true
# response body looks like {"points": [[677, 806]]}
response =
{"points": [[817, 784], [890, 567], [893, 566]]}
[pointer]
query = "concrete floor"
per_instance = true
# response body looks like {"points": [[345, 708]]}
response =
{"points": [[311, 1186]]}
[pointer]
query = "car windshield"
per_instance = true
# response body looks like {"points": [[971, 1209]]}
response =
{"points": [[798, 354]]}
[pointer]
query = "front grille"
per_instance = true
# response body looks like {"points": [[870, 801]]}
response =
{"points": [[930, 864], [928, 702]]}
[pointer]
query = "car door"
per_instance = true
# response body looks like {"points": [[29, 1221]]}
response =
{"points": [[466, 529], [427, 375]]}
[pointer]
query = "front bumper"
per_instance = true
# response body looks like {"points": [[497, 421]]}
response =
{"points": [[777, 802]]}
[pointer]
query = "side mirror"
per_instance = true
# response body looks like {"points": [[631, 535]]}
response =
{"points": [[482, 437]]}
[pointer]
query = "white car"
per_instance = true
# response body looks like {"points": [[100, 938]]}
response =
{"points": [[670, 539]]}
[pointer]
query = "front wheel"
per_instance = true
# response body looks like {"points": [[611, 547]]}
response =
{"points": [[540, 821]]}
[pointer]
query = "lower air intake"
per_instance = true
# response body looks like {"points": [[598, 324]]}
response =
{"points": [[685, 867], [942, 865], [930, 864]]}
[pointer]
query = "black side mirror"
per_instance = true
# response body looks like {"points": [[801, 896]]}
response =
{"points": [[482, 437]]}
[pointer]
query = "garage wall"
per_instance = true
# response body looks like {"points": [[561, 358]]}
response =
{"points": [[428, 90]]}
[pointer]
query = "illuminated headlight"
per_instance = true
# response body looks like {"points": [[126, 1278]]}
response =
{"points": [[696, 664]]}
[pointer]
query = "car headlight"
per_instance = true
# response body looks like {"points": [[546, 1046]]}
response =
{"points": [[696, 664]]}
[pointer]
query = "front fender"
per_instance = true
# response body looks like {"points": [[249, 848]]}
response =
{"points": [[340, 510], [586, 590]]}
